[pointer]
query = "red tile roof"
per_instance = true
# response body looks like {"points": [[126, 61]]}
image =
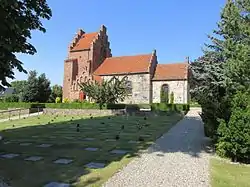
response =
{"points": [[85, 41], [97, 78], [124, 64], [171, 71]]}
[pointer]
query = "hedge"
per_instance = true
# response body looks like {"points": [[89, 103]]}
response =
{"points": [[86, 105], [169, 107]]}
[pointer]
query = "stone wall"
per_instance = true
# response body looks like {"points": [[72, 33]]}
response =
{"points": [[84, 112], [140, 88], [180, 88], [13, 112]]}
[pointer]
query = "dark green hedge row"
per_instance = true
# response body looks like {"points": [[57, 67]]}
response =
{"points": [[170, 107], [85, 105]]}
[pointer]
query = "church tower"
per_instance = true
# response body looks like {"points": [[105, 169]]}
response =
{"points": [[85, 53]]}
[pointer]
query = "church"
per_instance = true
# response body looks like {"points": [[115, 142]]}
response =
{"points": [[90, 58]]}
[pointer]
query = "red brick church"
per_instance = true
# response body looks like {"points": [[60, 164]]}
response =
{"points": [[90, 58]]}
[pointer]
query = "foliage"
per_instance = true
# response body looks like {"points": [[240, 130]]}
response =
{"points": [[76, 101], [164, 95], [19, 87], [37, 88], [44, 88], [116, 106], [220, 73], [58, 100], [56, 91], [107, 91], [11, 98], [65, 100], [18, 19], [6, 105], [172, 98], [31, 91], [83, 105], [169, 107], [234, 136]]}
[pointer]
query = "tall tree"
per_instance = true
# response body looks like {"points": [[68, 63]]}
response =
{"points": [[17, 19], [31, 91], [44, 88], [222, 76], [37, 88]]}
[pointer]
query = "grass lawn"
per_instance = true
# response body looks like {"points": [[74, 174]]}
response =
{"points": [[67, 143], [224, 174]]}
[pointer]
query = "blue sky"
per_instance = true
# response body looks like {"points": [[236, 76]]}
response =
{"points": [[175, 28]]}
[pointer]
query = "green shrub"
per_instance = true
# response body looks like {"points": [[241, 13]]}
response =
{"points": [[11, 98], [172, 98], [83, 105], [234, 135], [134, 107], [76, 101], [116, 106], [58, 100], [6, 105], [65, 100], [169, 107]]}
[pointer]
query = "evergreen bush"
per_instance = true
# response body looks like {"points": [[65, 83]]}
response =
{"points": [[234, 135]]}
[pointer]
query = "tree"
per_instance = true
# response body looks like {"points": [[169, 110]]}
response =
{"points": [[37, 88], [218, 77], [44, 88], [19, 87], [17, 19], [56, 92], [107, 91], [31, 92]]}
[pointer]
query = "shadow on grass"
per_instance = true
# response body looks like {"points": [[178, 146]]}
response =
{"points": [[68, 143]]}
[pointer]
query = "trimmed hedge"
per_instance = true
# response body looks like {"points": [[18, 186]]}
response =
{"points": [[169, 107], [86, 105], [83, 105]]}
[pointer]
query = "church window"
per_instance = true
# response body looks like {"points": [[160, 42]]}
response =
{"points": [[129, 87], [164, 95]]}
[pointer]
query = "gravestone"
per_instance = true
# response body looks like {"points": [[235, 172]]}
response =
{"points": [[110, 140], [44, 145], [34, 158], [10, 155], [63, 161], [89, 139], [91, 149], [25, 144], [95, 165], [8, 142], [57, 184]]}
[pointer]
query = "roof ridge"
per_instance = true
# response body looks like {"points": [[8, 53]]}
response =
{"points": [[148, 54]]}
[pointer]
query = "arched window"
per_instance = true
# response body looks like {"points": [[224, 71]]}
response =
{"points": [[129, 87], [164, 97]]}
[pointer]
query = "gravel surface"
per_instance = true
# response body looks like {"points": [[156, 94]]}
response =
{"points": [[2, 183], [177, 159]]}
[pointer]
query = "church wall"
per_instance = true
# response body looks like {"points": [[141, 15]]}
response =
{"points": [[180, 88], [140, 88]]}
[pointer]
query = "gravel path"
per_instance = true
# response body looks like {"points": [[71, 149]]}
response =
{"points": [[177, 159]]}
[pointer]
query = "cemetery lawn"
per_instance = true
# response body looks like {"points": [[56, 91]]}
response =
{"points": [[64, 142], [225, 174]]}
